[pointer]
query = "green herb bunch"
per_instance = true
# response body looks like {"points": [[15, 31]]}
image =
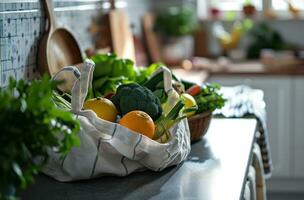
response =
{"points": [[209, 98], [31, 124], [176, 21]]}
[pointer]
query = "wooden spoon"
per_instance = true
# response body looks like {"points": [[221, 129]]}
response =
{"points": [[57, 49]]}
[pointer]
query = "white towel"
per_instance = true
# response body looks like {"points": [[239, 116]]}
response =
{"points": [[260, 178]]}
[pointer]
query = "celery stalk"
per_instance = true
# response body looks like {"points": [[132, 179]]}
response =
{"points": [[165, 122]]}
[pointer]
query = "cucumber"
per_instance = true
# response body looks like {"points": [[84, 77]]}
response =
{"points": [[152, 83], [187, 84]]}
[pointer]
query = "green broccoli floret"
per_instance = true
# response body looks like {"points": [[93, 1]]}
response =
{"points": [[132, 96]]}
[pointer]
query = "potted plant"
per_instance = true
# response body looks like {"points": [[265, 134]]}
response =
{"points": [[31, 124], [175, 26], [248, 8]]}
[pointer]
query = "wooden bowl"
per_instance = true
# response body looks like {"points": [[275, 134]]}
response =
{"points": [[199, 125], [58, 48]]}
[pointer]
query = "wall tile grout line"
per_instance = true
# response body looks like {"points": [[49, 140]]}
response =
{"points": [[21, 26]]}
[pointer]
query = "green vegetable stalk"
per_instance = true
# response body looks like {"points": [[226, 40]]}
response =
{"points": [[60, 102], [165, 122], [172, 99]]}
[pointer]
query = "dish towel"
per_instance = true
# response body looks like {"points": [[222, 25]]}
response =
{"points": [[245, 102], [252, 183], [259, 178]]}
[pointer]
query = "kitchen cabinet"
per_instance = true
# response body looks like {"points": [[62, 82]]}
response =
{"points": [[298, 124], [277, 94], [284, 97]]}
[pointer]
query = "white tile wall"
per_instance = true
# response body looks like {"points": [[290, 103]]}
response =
{"points": [[22, 23]]}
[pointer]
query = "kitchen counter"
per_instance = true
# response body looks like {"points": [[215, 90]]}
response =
{"points": [[256, 68], [201, 74], [216, 169]]}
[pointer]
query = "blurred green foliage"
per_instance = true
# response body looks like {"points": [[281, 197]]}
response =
{"points": [[31, 124], [176, 21]]}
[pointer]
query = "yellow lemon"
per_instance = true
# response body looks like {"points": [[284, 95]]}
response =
{"points": [[104, 108], [189, 102]]}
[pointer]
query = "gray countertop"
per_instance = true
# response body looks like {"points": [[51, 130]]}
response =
{"points": [[215, 169]]}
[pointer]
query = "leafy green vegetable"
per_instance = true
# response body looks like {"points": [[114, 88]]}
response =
{"points": [[110, 65], [209, 99], [143, 73], [110, 72], [31, 123], [161, 95], [136, 97]]}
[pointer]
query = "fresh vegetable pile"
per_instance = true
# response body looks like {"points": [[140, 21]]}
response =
{"points": [[139, 102], [30, 125], [137, 108]]}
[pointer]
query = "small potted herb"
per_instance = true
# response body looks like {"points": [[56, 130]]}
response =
{"points": [[175, 26], [31, 124]]}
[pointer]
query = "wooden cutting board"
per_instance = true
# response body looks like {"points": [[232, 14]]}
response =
{"points": [[116, 34], [152, 41], [121, 34]]}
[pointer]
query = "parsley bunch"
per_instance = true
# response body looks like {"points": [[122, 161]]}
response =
{"points": [[209, 98], [31, 124]]}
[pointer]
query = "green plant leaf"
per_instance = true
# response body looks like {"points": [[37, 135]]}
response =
{"points": [[34, 118]]}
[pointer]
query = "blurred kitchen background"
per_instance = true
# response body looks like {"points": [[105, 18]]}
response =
{"points": [[253, 42]]}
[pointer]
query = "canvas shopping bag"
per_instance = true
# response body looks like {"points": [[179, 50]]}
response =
{"points": [[110, 149]]}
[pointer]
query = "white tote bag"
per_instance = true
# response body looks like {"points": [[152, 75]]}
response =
{"points": [[110, 149]]}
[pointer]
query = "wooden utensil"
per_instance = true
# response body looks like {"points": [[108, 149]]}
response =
{"points": [[57, 48], [152, 41], [116, 33]]}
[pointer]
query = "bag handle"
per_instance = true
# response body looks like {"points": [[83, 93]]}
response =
{"points": [[82, 83], [167, 78], [65, 69]]}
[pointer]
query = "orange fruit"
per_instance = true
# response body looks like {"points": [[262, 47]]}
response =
{"points": [[138, 121], [104, 108]]}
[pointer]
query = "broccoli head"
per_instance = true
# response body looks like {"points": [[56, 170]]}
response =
{"points": [[132, 96]]}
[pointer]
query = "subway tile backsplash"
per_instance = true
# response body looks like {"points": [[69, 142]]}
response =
{"points": [[22, 23]]}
